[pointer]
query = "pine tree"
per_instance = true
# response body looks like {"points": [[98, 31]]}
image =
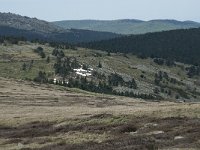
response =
{"points": [[24, 66], [48, 59], [42, 54], [100, 65]]}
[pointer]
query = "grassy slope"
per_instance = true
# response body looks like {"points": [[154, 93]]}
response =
{"points": [[46, 117], [13, 56], [127, 26]]}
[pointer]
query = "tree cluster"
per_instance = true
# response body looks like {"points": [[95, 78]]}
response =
{"points": [[116, 80], [40, 51], [161, 61], [178, 45], [58, 53], [12, 40], [99, 76], [41, 78], [62, 45], [132, 94], [27, 66], [193, 71], [102, 87], [163, 76], [64, 66], [91, 86]]}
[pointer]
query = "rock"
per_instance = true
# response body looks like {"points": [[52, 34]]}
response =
{"points": [[133, 133], [178, 137], [20, 145], [150, 125], [156, 132]]}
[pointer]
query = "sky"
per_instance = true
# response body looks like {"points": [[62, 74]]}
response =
{"points": [[55, 10]]}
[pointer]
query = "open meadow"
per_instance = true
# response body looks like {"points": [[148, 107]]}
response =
{"points": [[42, 117]]}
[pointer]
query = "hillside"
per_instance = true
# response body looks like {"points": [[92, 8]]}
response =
{"points": [[71, 36], [127, 26], [178, 45], [26, 23], [113, 73], [32, 28], [37, 114], [47, 117]]}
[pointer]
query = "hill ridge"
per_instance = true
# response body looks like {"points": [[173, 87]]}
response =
{"points": [[33, 28], [128, 26], [180, 45], [27, 23]]}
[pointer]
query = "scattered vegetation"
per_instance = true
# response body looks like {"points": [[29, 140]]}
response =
{"points": [[193, 71], [124, 79], [65, 117], [40, 52], [41, 78]]}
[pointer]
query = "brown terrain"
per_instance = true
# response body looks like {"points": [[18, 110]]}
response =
{"points": [[47, 117]]}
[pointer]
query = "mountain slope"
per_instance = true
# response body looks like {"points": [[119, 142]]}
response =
{"points": [[26, 23], [71, 36], [180, 45], [32, 28], [47, 116], [127, 26], [118, 74]]}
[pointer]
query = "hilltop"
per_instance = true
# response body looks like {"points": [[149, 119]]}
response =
{"points": [[27, 23], [35, 29], [127, 26]]}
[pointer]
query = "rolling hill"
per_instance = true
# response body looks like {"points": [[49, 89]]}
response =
{"points": [[26, 23], [117, 74], [181, 45], [41, 115], [71, 36], [32, 28], [127, 26]]}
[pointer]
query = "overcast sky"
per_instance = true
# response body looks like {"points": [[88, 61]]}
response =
{"points": [[53, 10]]}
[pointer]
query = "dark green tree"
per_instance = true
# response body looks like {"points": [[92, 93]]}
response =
{"points": [[24, 66], [43, 55], [48, 59], [41, 78], [100, 65]]}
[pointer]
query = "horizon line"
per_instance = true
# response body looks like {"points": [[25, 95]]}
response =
{"points": [[116, 19]]}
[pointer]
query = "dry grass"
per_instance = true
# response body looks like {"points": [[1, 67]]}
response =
{"points": [[50, 117]]}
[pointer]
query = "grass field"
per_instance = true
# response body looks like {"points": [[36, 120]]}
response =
{"points": [[51, 117]]}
